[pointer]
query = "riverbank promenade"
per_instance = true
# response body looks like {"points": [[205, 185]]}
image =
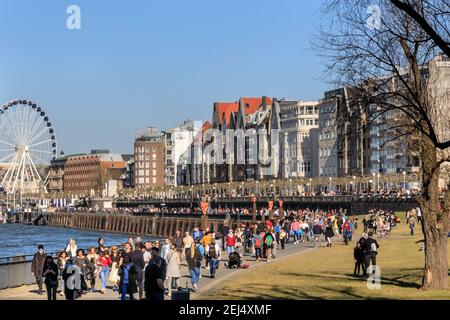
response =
{"points": [[29, 292]]}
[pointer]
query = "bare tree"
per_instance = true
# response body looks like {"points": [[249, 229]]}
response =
{"points": [[396, 53]]}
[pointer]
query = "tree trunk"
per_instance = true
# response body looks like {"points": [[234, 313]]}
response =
{"points": [[436, 222], [436, 263]]}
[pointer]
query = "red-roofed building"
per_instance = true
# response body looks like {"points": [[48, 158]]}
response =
{"points": [[229, 109]]}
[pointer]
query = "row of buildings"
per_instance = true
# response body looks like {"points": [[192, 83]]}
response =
{"points": [[254, 139]]}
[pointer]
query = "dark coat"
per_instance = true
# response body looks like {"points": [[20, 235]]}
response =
{"points": [[358, 254], [132, 277], [368, 246], [179, 242], [137, 257], [329, 232], [51, 279], [71, 294], [37, 265]]}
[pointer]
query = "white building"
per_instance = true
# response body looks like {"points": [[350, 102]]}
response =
{"points": [[178, 142], [299, 148]]}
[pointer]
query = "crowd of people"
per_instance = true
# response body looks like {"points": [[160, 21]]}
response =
{"points": [[144, 267]]}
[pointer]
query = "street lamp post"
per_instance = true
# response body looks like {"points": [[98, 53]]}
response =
{"points": [[330, 185], [373, 186]]}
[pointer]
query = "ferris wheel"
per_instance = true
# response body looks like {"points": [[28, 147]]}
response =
{"points": [[27, 145]]}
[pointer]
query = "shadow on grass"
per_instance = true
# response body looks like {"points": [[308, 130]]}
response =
{"points": [[401, 281], [276, 292]]}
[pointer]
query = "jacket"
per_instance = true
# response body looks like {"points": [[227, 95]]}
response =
{"points": [[368, 246], [132, 276], [137, 258], [173, 265], [230, 241], [51, 279], [194, 262], [329, 232], [37, 265]]}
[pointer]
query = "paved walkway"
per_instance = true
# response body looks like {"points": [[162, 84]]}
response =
{"points": [[29, 292]]}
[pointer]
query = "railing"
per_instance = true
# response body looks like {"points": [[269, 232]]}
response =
{"points": [[16, 271]]}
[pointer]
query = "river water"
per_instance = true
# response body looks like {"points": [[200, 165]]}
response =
{"points": [[19, 239]]}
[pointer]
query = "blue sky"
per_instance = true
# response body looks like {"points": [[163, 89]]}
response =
{"points": [[137, 63]]}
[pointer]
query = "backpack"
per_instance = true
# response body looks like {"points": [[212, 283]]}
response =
{"points": [[373, 247], [269, 241], [257, 242], [212, 252]]}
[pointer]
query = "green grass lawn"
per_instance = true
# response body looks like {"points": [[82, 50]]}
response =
{"points": [[327, 273]]}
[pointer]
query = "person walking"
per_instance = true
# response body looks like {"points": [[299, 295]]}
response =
{"points": [[86, 268], [257, 245], [101, 246], [205, 242], [128, 278], [187, 241], [214, 252], [317, 231], [173, 272], [224, 232], [93, 257], [137, 258], [71, 276], [104, 263], [282, 237], [230, 241], [370, 252], [50, 272], [358, 255], [37, 266], [114, 274], [178, 241], [268, 242], [154, 278], [194, 260], [71, 249], [346, 231], [329, 234], [412, 225], [61, 263]]}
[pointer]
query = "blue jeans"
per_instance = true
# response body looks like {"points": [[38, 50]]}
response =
{"points": [[214, 263], [195, 275], [123, 291], [230, 249], [104, 276]]}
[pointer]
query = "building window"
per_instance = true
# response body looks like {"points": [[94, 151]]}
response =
{"points": [[154, 180]]}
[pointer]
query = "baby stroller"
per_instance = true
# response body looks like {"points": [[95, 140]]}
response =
{"points": [[234, 261]]}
